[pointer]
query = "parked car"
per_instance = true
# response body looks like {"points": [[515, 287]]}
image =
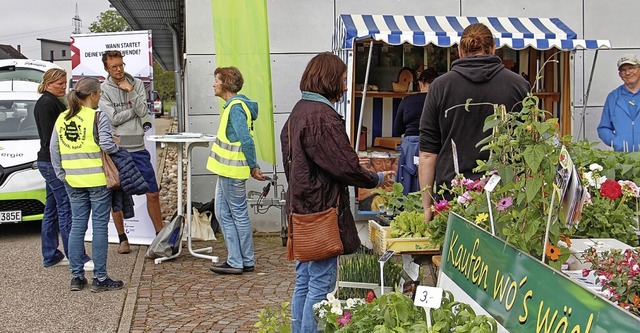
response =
{"points": [[158, 105], [22, 188]]}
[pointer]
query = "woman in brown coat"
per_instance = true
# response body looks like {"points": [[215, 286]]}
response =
{"points": [[322, 165]]}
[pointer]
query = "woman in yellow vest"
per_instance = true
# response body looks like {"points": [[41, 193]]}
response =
{"points": [[75, 156], [233, 159]]}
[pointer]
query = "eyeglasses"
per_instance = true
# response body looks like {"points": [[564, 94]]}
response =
{"points": [[114, 67], [627, 70]]}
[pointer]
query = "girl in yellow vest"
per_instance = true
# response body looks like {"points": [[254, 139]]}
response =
{"points": [[233, 159], [75, 156]]}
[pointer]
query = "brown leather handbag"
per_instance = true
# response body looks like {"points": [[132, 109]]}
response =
{"points": [[315, 236], [110, 170]]}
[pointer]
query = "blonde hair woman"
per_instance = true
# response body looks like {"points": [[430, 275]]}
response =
{"points": [[75, 156], [57, 211]]}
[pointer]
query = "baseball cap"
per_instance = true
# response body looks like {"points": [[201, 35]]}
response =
{"points": [[630, 59]]}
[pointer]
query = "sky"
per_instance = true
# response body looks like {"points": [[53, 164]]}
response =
{"points": [[28, 20]]}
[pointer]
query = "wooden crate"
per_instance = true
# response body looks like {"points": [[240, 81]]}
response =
{"points": [[381, 239]]}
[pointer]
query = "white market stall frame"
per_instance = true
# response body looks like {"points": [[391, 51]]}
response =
{"points": [[445, 31], [516, 33]]}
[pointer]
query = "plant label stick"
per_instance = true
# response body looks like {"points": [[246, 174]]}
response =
{"points": [[491, 184], [385, 257], [428, 298], [454, 151]]}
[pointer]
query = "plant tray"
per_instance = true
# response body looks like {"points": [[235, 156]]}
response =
{"points": [[380, 238]]}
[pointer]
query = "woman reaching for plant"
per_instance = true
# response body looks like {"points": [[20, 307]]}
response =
{"points": [[321, 164]]}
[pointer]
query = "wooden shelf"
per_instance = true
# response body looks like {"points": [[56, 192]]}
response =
{"points": [[384, 94]]}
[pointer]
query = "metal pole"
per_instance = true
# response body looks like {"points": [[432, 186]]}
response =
{"points": [[177, 77], [364, 96], [586, 97]]}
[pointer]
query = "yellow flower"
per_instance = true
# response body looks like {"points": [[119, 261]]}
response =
{"points": [[482, 217]]}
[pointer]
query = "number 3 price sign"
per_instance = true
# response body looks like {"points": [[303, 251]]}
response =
{"points": [[428, 298]]}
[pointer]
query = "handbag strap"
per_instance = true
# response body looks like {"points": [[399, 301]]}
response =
{"points": [[96, 137], [290, 162]]}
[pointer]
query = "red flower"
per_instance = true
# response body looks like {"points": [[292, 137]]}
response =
{"points": [[370, 296], [611, 189]]}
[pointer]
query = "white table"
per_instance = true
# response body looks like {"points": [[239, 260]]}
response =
{"points": [[188, 141]]}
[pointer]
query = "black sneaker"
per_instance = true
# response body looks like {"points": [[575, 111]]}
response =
{"points": [[106, 285], [78, 283], [248, 269], [225, 269]]}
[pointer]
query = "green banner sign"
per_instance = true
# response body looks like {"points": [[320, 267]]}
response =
{"points": [[520, 292]]}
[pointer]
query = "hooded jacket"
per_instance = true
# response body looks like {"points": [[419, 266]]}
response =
{"points": [[483, 79], [237, 127], [617, 127], [125, 111]]}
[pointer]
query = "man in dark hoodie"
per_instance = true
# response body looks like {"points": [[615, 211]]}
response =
{"points": [[480, 76], [124, 100]]}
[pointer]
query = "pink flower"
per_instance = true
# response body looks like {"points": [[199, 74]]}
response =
{"points": [[629, 188], [585, 272], [504, 203], [441, 206], [345, 319], [465, 197]]}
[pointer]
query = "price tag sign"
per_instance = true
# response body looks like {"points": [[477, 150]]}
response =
{"points": [[428, 297], [386, 256], [492, 182]]}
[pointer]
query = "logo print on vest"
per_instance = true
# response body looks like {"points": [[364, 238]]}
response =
{"points": [[71, 131]]}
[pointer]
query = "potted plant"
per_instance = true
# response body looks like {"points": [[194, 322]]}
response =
{"points": [[395, 312]]}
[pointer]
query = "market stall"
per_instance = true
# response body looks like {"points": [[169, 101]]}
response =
{"points": [[379, 48]]}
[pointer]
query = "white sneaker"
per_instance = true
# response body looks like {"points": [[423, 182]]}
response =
{"points": [[88, 266], [63, 262]]}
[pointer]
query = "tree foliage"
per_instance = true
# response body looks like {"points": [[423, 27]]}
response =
{"points": [[109, 21]]}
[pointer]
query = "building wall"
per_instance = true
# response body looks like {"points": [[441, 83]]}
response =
{"points": [[55, 50], [299, 29]]}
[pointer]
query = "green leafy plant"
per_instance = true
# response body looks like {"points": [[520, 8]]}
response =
{"points": [[524, 152], [409, 224], [274, 319], [607, 213], [395, 312], [397, 201], [364, 267]]}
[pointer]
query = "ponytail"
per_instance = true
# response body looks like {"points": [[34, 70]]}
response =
{"points": [[76, 98]]}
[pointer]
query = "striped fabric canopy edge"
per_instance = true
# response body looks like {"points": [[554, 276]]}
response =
{"points": [[444, 31]]}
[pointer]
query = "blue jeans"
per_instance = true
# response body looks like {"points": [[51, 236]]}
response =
{"points": [[97, 201], [314, 280], [232, 213], [56, 218]]}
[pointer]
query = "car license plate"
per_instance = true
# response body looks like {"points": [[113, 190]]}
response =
{"points": [[11, 216]]}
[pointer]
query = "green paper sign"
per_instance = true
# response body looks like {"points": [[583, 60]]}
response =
{"points": [[520, 292]]}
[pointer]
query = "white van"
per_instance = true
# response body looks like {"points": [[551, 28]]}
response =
{"points": [[22, 188]]}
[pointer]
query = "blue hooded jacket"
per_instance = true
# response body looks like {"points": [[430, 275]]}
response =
{"points": [[237, 127]]}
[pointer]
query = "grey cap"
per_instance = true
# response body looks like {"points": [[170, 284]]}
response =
{"points": [[630, 59]]}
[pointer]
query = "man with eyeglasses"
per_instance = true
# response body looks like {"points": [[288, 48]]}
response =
{"points": [[124, 100], [618, 128]]}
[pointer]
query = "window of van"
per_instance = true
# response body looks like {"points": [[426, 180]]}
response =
{"points": [[17, 121], [8, 73]]}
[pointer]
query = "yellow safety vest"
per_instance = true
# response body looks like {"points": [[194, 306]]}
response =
{"points": [[227, 158], [80, 153]]}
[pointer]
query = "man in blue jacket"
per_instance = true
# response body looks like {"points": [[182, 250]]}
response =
{"points": [[617, 128]]}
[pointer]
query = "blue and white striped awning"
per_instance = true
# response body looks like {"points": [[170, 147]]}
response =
{"points": [[514, 32]]}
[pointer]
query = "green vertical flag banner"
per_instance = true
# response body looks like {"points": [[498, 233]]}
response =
{"points": [[241, 32]]}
